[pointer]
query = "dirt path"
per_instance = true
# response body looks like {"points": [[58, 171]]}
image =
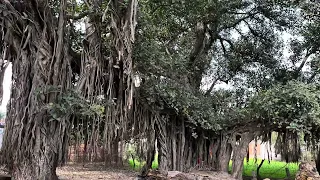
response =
{"points": [[93, 172], [97, 171]]}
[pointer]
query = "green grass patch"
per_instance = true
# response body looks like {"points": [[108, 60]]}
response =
{"points": [[273, 170], [137, 165]]}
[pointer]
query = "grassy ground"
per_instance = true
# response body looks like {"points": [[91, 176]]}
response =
{"points": [[273, 170], [137, 165]]}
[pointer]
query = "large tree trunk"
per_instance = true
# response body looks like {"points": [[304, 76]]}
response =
{"points": [[162, 143], [170, 144], [120, 88], [150, 146], [178, 149], [35, 142], [92, 76], [182, 147], [161, 135], [224, 154], [239, 153]]}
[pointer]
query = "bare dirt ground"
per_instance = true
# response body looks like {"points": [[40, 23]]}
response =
{"points": [[93, 172], [97, 171]]}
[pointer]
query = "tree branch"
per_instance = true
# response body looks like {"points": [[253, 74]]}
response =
{"points": [[198, 46], [223, 48], [303, 62], [227, 40], [238, 13], [212, 86], [312, 77], [80, 16], [255, 33], [239, 21]]}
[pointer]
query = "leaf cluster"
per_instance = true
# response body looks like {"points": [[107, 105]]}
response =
{"points": [[294, 106], [71, 103]]}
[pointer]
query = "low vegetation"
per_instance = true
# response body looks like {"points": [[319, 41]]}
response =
{"points": [[270, 169]]}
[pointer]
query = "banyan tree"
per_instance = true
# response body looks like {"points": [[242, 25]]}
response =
{"points": [[33, 39], [52, 80], [110, 73]]}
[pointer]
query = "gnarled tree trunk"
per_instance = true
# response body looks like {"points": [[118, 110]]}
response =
{"points": [[223, 154], [92, 79], [34, 142], [239, 153], [162, 142], [120, 75]]}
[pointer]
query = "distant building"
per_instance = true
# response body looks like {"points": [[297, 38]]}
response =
{"points": [[263, 151]]}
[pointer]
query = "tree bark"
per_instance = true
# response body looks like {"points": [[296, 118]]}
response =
{"points": [[200, 151], [150, 147], [161, 135], [120, 88], [215, 144], [174, 144], [176, 151], [224, 154], [182, 147], [35, 142], [239, 153], [318, 161]]}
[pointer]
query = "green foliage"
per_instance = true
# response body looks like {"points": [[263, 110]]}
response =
{"points": [[196, 107], [242, 44], [71, 103], [295, 106]]}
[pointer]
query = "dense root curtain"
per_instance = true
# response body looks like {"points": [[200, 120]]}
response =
{"points": [[120, 89], [34, 142], [90, 85]]}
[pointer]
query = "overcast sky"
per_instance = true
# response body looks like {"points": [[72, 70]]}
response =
{"points": [[6, 88]]}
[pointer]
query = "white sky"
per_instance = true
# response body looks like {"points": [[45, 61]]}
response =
{"points": [[6, 88]]}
